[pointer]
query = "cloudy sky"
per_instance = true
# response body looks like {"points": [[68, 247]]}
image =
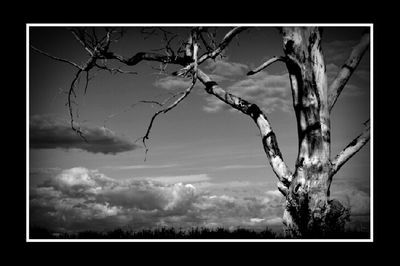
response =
{"points": [[206, 165]]}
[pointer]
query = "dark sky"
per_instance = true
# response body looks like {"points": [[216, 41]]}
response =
{"points": [[206, 165]]}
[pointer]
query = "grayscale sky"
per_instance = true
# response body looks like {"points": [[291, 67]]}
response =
{"points": [[206, 165]]}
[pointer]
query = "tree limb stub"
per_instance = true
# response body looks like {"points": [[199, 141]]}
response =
{"points": [[266, 64], [347, 69]]}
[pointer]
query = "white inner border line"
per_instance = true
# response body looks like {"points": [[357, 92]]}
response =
{"points": [[370, 25]]}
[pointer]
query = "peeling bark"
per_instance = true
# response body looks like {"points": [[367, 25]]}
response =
{"points": [[269, 140], [307, 200], [309, 211]]}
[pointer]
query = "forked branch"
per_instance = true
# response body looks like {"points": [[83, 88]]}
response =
{"points": [[97, 49], [212, 54]]}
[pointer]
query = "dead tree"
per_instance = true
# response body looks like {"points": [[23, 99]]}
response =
{"points": [[309, 210]]}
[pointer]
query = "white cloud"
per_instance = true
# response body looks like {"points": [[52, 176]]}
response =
{"points": [[84, 199], [173, 83], [80, 199], [275, 221], [222, 67], [256, 220], [214, 105], [180, 179]]}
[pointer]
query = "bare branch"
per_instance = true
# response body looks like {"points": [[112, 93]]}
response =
{"points": [[208, 47], [347, 69], [87, 81], [100, 51], [142, 56], [266, 64], [79, 36], [228, 98], [70, 93], [194, 51], [269, 140], [165, 110], [56, 58], [136, 103], [351, 149], [152, 102], [226, 40], [114, 70]]}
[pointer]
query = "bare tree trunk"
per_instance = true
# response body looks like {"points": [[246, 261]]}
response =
{"points": [[308, 209]]}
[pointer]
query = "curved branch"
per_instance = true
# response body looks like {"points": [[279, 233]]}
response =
{"points": [[351, 149], [174, 104], [347, 70], [70, 92], [225, 41], [165, 110], [266, 64], [269, 140], [142, 56], [173, 59]]}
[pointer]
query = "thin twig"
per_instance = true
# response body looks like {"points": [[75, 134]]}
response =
{"points": [[56, 58]]}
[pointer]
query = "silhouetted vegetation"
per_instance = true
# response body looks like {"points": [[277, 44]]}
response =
{"points": [[172, 233]]}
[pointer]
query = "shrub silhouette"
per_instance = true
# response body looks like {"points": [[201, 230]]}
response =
{"points": [[172, 233]]}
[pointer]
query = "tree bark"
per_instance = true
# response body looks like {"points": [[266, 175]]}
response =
{"points": [[308, 206], [269, 140]]}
